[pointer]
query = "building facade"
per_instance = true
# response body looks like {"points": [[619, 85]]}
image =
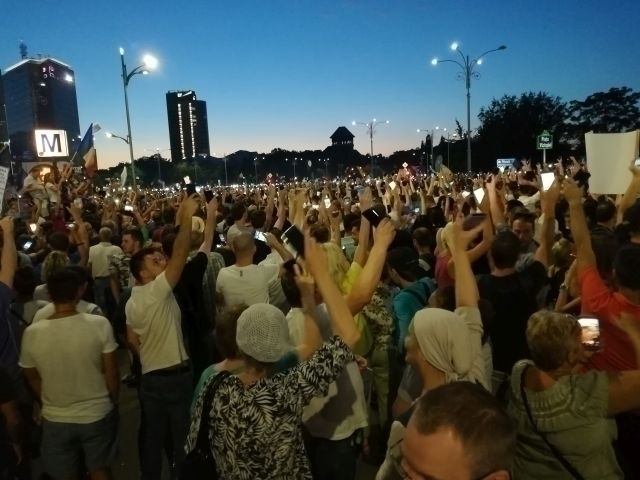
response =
{"points": [[41, 110], [188, 125]]}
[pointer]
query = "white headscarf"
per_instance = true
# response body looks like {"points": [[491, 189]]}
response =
{"points": [[446, 343]]}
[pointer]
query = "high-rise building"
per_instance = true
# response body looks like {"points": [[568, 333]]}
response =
{"points": [[188, 126], [41, 109], [4, 133]]}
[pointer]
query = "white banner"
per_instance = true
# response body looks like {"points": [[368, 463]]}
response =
{"points": [[609, 156]]}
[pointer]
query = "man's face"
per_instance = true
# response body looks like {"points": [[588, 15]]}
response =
{"points": [[128, 245], [524, 231], [422, 456]]}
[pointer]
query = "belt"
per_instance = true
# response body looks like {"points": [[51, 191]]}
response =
{"points": [[169, 371]]}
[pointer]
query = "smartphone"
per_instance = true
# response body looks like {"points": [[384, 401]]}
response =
{"points": [[27, 245], [327, 203], [191, 189], [479, 194], [293, 240], [260, 236], [186, 180], [208, 195], [465, 194], [473, 220], [547, 180], [373, 216], [198, 189], [590, 333], [392, 185], [128, 208], [416, 211], [77, 202], [71, 226], [222, 239], [33, 227]]}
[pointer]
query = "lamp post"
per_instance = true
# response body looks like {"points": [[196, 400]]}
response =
{"points": [[371, 130], [255, 167], [149, 63], [226, 176], [467, 66]]}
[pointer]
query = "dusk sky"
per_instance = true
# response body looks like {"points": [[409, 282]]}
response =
{"points": [[287, 73]]}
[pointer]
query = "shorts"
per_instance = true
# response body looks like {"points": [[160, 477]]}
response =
{"points": [[65, 446]]}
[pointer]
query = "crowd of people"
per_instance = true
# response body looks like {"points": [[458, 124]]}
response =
{"points": [[448, 326]]}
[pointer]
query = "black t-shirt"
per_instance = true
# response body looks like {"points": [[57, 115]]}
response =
{"points": [[513, 298], [7, 394]]}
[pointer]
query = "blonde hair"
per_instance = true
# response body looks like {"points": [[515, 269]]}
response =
{"points": [[53, 261], [552, 338], [337, 263]]}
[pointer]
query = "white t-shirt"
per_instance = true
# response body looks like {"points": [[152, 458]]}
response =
{"points": [[246, 285], [154, 315], [82, 307], [100, 256], [67, 353]]}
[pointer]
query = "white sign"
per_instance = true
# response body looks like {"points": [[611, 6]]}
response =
{"points": [[4, 176], [52, 143], [609, 156]]}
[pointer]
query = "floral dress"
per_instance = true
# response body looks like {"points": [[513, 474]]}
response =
{"points": [[255, 429]]}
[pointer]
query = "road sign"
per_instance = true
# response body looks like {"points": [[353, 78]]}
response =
{"points": [[544, 141]]}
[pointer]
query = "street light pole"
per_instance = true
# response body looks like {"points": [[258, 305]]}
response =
{"points": [[149, 63], [467, 73], [371, 130]]}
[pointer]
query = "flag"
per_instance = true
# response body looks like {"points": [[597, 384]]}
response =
{"points": [[123, 177], [87, 152]]}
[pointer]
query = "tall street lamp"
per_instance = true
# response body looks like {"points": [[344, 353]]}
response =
{"points": [[149, 63], [371, 130], [467, 66], [432, 133]]}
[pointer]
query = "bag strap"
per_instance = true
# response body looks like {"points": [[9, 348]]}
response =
{"points": [[556, 453], [202, 442]]}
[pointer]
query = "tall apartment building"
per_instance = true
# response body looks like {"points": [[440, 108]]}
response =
{"points": [[188, 127]]}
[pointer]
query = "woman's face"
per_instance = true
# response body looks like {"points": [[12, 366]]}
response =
{"points": [[413, 353]]}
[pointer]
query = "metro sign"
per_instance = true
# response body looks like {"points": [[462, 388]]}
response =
{"points": [[51, 143]]}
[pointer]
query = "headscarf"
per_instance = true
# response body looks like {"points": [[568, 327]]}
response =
{"points": [[446, 343]]}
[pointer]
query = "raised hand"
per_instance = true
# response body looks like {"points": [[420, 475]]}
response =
{"points": [[384, 233]]}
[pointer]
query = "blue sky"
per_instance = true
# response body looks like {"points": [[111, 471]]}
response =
{"points": [[286, 73]]}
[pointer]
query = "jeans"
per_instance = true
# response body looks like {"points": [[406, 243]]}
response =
{"points": [[166, 401], [101, 287], [333, 459]]}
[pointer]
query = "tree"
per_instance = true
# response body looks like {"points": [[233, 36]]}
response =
{"points": [[509, 126], [614, 111]]}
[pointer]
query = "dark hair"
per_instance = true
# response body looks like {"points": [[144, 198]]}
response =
{"points": [[630, 224], [350, 221], [167, 244], [423, 237], [446, 297], [135, 234], [237, 211], [136, 264], [225, 332], [320, 233], [24, 281], [258, 218], [505, 249], [627, 265], [290, 288], [605, 211], [64, 285], [476, 419], [524, 216], [82, 273], [513, 204], [58, 241]]}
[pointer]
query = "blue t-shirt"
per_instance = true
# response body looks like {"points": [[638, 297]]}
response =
{"points": [[405, 305]]}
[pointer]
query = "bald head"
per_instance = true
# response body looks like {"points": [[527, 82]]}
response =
{"points": [[243, 245]]}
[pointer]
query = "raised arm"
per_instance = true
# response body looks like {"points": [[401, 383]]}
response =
{"points": [[495, 204], [341, 319], [631, 194], [369, 278], [548, 203], [362, 249], [579, 229], [312, 338], [210, 226], [465, 285], [181, 245]]}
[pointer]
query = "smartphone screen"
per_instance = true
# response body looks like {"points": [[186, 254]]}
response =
{"points": [[208, 195], [373, 216], [590, 333], [33, 227], [479, 194], [128, 208], [327, 203], [465, 194], [293, 240], [27, 245], [260, 236], [547, 180]]}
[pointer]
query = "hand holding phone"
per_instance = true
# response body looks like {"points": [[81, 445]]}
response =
{"points": [[373, 216], [293, 240], [590, 333]]}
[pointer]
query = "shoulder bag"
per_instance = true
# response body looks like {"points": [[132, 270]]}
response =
{"points": [[556, 453], [200, 463]]}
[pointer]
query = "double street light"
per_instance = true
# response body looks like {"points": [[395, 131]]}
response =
{"points": [[149, 63], [432, 133], [467, 66], [371, 130]]}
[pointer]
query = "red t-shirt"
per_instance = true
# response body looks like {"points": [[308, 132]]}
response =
{"points": [[605, 304]]}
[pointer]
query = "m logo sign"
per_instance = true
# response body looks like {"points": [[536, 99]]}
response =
{"points": [[52, 143]]}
